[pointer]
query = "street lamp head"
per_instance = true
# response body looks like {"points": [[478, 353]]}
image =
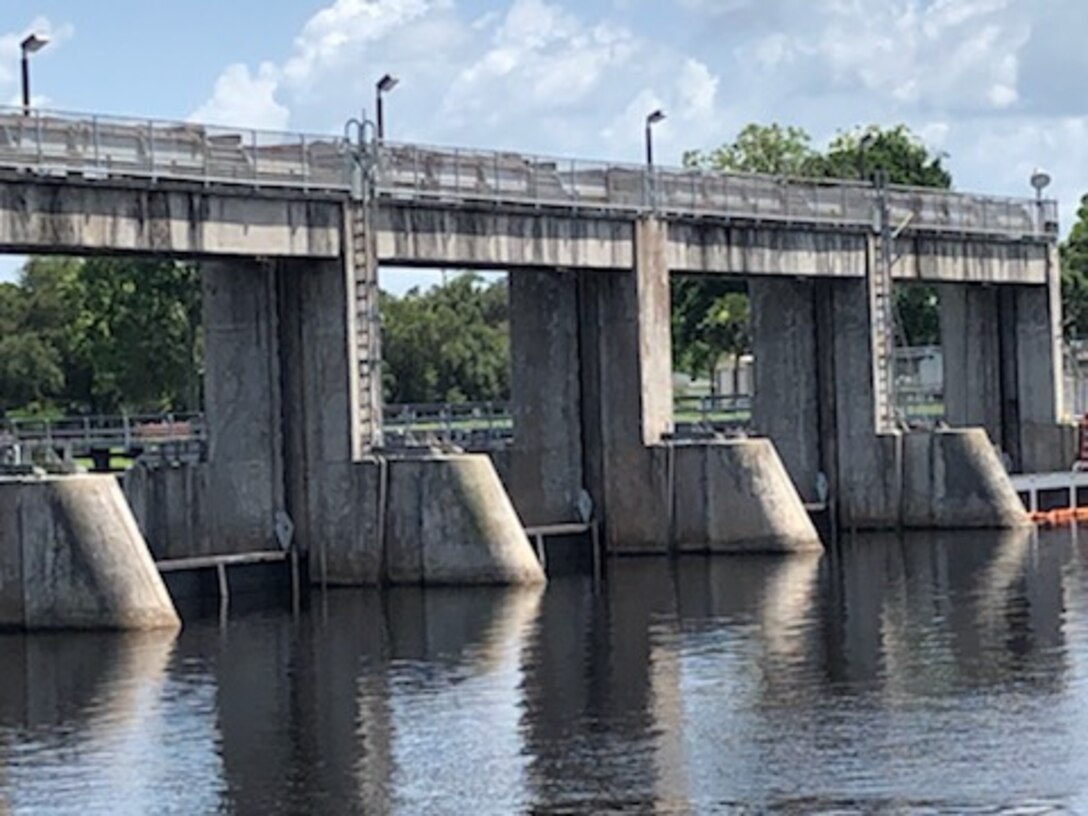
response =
{"points": [[34, 43], [387, 83], [1040, 179], [655, 117]]}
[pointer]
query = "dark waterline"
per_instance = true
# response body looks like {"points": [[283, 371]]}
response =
{"points": [[932, 674]]}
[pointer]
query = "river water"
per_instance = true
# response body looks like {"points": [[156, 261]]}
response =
{"points": [[924, 674]]}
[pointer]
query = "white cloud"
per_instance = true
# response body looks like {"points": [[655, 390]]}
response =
{"points": [[244, 98], [985, 80]]}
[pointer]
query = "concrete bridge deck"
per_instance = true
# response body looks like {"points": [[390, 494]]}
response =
{"points": [[83, 183]]}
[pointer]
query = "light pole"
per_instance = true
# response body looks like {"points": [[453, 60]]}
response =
{"points": [[32, 44], [651, 120], [1040, 180], [864, 144], [384, 86]]}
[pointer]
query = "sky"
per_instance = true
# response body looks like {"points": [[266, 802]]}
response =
{"points": [[994, 84]]}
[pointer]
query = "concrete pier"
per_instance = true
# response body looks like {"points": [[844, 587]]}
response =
{"points": [[1002, 366], [592, 392], [814, 347], [72, 557]]}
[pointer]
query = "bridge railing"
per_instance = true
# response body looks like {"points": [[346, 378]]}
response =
{"points": [[120, 432], [451, 174], [62, 143]]}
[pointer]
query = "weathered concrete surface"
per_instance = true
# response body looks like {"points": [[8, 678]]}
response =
{"points": [[168, 505], [974, 260], [72, 557], [437, 234], [544, 476], [953, 479], [626, 353], [786, 403], [1002, 369], [319, 437], [242, 404], [736, 497], [710, 247], [490, 239], [39, 215], [971, 351], [813, 347], [449, 521]]}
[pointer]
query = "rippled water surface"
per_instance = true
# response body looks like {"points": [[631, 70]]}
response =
{"points": [[927, 674]]}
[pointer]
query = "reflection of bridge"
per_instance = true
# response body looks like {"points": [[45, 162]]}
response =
{"points": [[291, 230]]}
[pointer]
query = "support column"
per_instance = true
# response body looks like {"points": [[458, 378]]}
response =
{"points": [[786, 402], [546, 396], [971, 351], [1039, 366], [1002, 369], [814, 396], [868, 466], [242, 405], [320, 435], [627, 393]]}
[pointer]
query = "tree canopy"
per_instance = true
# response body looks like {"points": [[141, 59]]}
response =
{"points": [[449, 343], [100, 335], [1074, 256]]}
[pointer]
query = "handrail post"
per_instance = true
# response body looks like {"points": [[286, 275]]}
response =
{"points": [[305, 162], [95, 135], [151, 148]]}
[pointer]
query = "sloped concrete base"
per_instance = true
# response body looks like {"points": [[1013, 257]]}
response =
{"points": [[450, 521], [72, 557], [438, 520], [953, 479], [736, 497]]}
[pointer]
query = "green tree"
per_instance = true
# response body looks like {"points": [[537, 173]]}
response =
{"points": [[136, 337], [773, 149], [100, 335], [710, 319], [449, 343], [30, 373], [1074, 255], [861, 152]]}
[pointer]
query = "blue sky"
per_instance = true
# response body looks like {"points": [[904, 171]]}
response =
{"points": [[996, 84]]}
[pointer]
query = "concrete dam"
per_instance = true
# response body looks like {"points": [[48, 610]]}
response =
{"points": [[290, 231]]}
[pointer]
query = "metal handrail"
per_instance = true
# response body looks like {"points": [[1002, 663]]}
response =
{"points": [[64, 143]]}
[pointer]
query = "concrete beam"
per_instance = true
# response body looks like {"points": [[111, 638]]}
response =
{"points": [[716, 248], [975, 260], [415, 234], [46, 216]]}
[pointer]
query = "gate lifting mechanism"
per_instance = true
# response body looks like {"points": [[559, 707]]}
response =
{"points": [[363, 151]]}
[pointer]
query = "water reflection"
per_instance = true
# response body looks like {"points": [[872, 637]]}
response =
{"points": [[942, 673]]}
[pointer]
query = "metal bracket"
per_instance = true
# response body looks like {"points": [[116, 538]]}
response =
{"points": [[285, 530]]}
